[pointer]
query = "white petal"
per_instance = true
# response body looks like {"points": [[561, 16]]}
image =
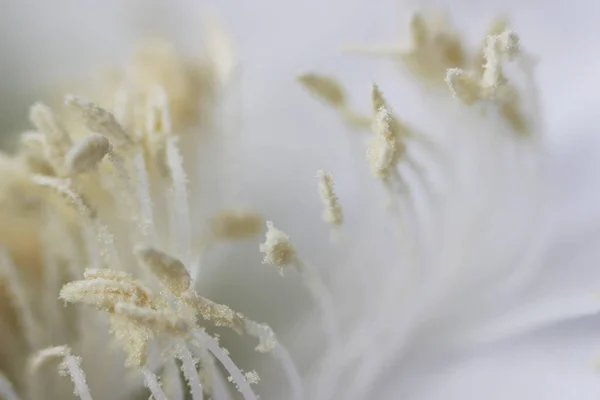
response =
{"points": [[529, 317], [576, 169], [554, 364]]}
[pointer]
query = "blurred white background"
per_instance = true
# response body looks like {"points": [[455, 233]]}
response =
{"points": [[43, 41]]}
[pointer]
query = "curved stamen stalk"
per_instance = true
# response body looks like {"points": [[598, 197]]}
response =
{"points": [[173, 385], [280, 252], [190, 372], [143, 192], [78, 377], [178, 202], [70, 365], [236, 375], [95, 232], [322, 297], [151, 382], [6, 389], [294, 378]]}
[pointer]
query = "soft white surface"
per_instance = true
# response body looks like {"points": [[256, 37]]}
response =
{"points": [[552, 365]]}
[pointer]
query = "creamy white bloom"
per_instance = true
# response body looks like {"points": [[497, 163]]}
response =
{"points": [[476, 210]]}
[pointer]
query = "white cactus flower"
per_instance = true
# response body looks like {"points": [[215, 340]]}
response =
{"points": [[451, 259]]}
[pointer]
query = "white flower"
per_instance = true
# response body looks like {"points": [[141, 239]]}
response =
{"points": [[413, 300]]}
